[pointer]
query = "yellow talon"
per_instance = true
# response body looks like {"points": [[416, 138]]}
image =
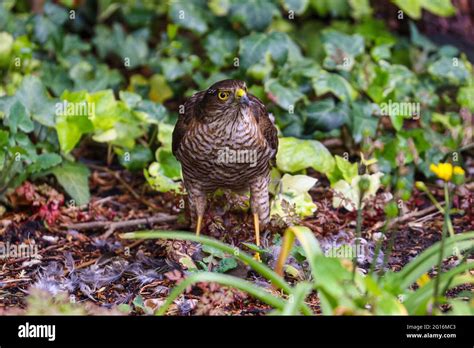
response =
{"points": [[198, 225], [256, 224]]}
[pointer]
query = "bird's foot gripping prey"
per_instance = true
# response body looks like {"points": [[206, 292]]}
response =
{"points": [[226, 139]]}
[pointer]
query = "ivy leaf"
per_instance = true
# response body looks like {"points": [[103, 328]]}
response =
{"points": [[453, 70], [294, 190], [361, 9], [420, 40], [70, 125], [411, 7], [168, 163], [253, 14], [285, 97], [226, 264], [74, 178], [220, 45], [344, 170], [158, 180], [341, 49], [254, 47], [189, 14], [298, 6], [33, 96], [19, 118], [465, 97], [160, 91], [333, 83], [362, 122], [349, 193], [336, 8], [325, 115], [298, 154], [6, 46], [44, 162], [442, 8], [134, 159]]}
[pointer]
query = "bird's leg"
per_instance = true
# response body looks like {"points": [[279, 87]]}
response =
{"points": [[198, 225], [256, 225], [197, 203], [260, 205]]}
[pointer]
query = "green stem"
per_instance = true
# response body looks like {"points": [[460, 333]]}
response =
{"points": [[391, 242], [441, 251], [434, 201], [258, 267], [4, 185], [357, 241], [223, 279], [378, 247]]}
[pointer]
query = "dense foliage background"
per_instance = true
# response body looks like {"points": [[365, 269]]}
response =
{"points": [[327, 70]]}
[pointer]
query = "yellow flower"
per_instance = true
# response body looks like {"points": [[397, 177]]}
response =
{"points": [[458, 177], [443, 171], [458, 171]]}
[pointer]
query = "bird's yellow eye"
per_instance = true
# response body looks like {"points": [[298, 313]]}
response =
{"points": [[223, 95]]}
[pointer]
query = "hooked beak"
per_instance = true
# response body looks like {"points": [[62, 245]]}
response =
{"points": [[242, 97]]}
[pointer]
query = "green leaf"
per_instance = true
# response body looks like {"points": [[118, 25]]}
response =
{"points": [[33, 96], [420, 40], [298, 6], [160, 91], [294, 190], [136, 158], [157, 179], [341, 49], [19, 119], [336, 8], [253, 14], [333, 83], [453, 70], [220, 46], [349, 193], [361, 9], [130, 98], [297, 154], [44, 162], [326, 115], [74, 178], [226, 265], [465, 97], [72, 120], [6, 47], [168, 163], [189, 14], [442, 8], [363, 123], [346, 169], [4, 136], [255, 47], [411, 7], [286, 97]]}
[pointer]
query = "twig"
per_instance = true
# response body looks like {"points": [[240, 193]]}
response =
{"points": [[403, 218], [126, 185], [113, 225]]}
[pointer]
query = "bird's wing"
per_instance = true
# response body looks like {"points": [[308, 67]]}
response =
{"points": [[265, 124], [184, 120]]}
